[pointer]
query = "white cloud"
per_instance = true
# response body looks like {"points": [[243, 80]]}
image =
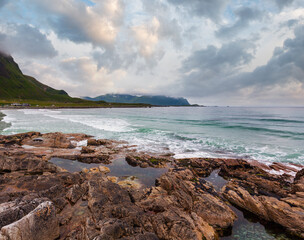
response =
{"points": [[147, 37], [74, 20], [85, 74]]}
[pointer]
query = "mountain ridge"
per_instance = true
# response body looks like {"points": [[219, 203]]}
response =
{"points": [[159, 100]]}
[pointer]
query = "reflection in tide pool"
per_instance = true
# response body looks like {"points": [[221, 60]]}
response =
{"points": [[119, 168]]}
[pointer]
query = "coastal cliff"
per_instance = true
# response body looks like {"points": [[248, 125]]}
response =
{"points": [[16, 85], [43, 200]]}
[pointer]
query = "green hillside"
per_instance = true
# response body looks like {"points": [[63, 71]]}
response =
{"points": [[15, 85]]}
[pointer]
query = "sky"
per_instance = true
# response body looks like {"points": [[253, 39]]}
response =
{"points": [[212, 52]]}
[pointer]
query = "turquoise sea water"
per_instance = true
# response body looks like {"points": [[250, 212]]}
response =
{"points": [[265, 134]]}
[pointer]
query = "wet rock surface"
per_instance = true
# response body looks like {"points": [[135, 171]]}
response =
{"points": [[270, 197], [144, 160], [200, 166], [40, 200]]}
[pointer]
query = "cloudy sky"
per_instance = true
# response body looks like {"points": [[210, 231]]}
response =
{"points": [[213, 52]]}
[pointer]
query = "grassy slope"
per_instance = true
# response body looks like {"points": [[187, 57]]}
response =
{"points": [[15, 85]]}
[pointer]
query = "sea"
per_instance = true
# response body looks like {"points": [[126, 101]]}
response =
{"points": [[267, 134]]}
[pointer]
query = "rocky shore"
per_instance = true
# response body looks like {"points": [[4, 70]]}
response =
{"points": [[41, 200]]}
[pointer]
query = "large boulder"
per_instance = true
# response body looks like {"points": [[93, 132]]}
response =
{"points": [[180, 191], [51, 140], [41, 223], [15, 210], [200, 166], [18, 138], [23, 161], [145, 160], [55, 140]]}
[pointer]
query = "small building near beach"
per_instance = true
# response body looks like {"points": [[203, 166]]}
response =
{"points": [[16, 104]]}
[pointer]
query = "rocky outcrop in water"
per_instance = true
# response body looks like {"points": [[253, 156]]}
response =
{"points": [[39, 200], [268, 196]]}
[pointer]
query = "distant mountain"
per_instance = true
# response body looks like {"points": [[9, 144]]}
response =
{"points": [[15, 85], [153, 100]]}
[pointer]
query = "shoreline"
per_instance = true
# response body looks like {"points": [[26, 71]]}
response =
{"points": [[31, 177], [264, 163], [93, 107], [17, 108]]}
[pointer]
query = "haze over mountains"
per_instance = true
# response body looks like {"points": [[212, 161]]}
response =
{"points": [[146, 99]]}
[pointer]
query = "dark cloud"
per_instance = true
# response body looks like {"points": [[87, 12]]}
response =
{"points": [[203, 8], [67, 28], [229, 56], [245, 15], [27, 41], [108, 59], [214, 71], [283, 3], [111, 60], [205, 70], [290, 23], [3, 2], [286, 64]]}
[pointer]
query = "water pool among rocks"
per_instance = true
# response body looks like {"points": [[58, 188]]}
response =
{"points": [[248, 226], [119, 168]]}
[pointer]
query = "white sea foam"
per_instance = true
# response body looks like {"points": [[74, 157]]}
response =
{"points": [[281, 172], [82, 143], [297, 168], [194, 155], [106, 124], [8, 116], [50, 111], [112, 125], [8, 119], [39, 111], [28, 147]]}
